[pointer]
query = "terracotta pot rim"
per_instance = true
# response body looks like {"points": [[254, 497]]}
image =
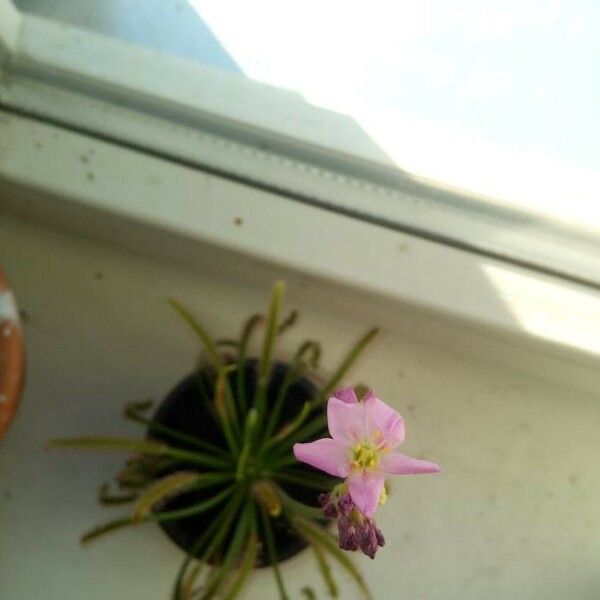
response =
{"points": [[12, 355]]}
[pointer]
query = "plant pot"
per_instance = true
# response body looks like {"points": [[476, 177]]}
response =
{"points": [[184, 410], [217, 469], [12, 356]]}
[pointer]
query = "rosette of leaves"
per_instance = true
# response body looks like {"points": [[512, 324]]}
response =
{"points": [[248, 478]]}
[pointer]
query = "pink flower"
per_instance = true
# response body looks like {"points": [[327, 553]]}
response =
{"points": [[364, 436]]}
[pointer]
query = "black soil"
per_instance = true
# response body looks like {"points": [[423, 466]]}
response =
{"points": [[185, 410]]}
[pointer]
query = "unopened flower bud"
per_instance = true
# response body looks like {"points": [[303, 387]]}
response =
{"points": [[380, 538], [348, 539], [323, 499], [327, 505], [345, 504], [367, 538]]}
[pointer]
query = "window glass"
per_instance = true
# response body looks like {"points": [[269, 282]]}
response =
{"points": [[501, 99]]}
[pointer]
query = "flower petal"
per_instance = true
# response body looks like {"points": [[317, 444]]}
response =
{"points": [[400, 464], [325, 454], [347, 395], [346, 422], [365, 488], [385, 426]]}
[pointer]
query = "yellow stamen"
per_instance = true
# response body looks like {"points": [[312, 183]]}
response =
{"points": [[383, 498], [365, 457]]}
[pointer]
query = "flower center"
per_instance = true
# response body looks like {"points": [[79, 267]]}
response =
{"points": [[364, 456]]}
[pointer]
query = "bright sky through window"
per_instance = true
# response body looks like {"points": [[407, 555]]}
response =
{"points": [[500, 98]]}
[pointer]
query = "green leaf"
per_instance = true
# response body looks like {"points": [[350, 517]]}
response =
{"points": [[139, 407], [182, 588], [316, 535], [105, 528], [182, 513], [216, 533], [287, 430], [163, 489], [345, 365], [245, 569], [227, 343], [294, 507], [292, 374], [312, 348], [132, 482], [247, 442], [109, 499], [325, 570], [312, 428], [271, 331], [111, 443], [249, 327], [267, 494], [288, 322], [232, 552], [198, 458], [360, 389], [171, 515], [206, 340], [308, 593], [225, 397], [279, 461], [224, 409], [142, 469], [314, 481], [272, 553], [132, 412], [266, 358]]}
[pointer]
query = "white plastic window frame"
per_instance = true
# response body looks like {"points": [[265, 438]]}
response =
{"points": [[263, 136], [352, 219]]}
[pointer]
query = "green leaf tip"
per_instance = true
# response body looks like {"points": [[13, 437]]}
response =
{"points": [[162, 490], [110, 443], [268, 497], [346, 363], [275, 305], [205, 339]]}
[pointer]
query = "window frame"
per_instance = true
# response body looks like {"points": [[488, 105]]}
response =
{"points": [[310, 197]]}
